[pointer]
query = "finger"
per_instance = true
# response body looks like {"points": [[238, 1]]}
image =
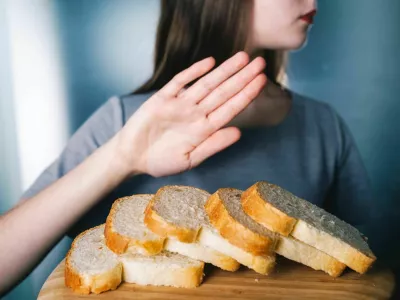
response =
{"points": [[208, 83], [173, 87], [215, 143], [225, 113], [232, 86]]}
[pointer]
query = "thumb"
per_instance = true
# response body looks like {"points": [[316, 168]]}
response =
{"points": [[215, 143]]}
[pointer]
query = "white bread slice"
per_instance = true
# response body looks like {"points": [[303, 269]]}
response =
{"points": [[177, 213], [125, 229], [202, 252], [283, 212], [302, 253], [90, 266], [257, 244], [263, 264], [227, 216], [163, 269]]}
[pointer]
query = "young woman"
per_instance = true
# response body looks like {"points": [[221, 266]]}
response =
{"points": [[208, 117]]}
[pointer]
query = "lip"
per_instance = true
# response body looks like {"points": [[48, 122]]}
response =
{"points": [[309, 17]]}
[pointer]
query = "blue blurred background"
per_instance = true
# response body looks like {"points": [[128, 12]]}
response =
{"points": [[61, 59]]}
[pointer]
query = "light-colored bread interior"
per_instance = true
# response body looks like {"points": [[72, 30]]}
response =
{"points": [[129, 218], [90, 255], [300, 252], [177, 211], [335, 247], [90, 265], [125, 229], [261, 264], [182, 206], [203, 253], [163, 269]]}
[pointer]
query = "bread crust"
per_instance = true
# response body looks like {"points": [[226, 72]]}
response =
{"points": [[234, 231], [191, 277], [263, 264], [97, 284], [264, 213], [226, 263], [163, 228], [119, 244], [335, 268]]}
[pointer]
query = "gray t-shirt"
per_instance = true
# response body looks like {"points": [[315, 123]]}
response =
{"points": [[311, 153]]}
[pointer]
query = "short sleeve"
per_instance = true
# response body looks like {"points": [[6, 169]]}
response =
{"points": [[351, 196], [101, 126]]}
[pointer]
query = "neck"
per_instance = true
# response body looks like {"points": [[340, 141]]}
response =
{"points": [[269, 109], [272, 89]]}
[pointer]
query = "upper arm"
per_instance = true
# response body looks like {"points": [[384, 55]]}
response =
{"points": [[351, 197], [96, 131]]}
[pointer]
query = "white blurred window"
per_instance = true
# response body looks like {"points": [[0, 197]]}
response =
{"points": [[38, 87]]}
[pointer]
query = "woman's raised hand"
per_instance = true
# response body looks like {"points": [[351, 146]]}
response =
{"points": [[178, 128]]}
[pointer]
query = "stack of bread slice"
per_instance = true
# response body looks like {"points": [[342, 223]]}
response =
{"points": [[228, 216], [90, 267], [165, 238], [305, 227], [249, 242], [177, 214]]}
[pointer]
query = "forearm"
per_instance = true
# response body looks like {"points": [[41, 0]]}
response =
{"points": [[29, 231]]}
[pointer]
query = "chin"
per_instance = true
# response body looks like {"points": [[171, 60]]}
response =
{"points": [[296, 42]]}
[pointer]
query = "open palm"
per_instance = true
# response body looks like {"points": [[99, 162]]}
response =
{"points": [[177, 128]]}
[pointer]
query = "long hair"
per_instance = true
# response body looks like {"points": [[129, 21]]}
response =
{"points": [[190, 30]]}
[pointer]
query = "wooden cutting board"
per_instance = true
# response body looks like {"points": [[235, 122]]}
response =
{"points": [[289, 281]]}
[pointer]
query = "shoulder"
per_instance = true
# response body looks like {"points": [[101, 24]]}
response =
{"points": [[317, 114], [312, 107], [321, 119]]}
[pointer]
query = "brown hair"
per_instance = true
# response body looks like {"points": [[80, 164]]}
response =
{"points": [[190, 30]]}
